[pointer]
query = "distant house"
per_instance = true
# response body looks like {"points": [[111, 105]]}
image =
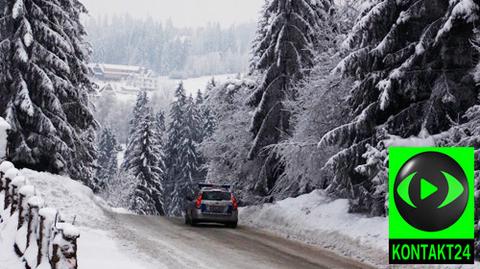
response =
{"points": [[135, 77], [116, 72]]}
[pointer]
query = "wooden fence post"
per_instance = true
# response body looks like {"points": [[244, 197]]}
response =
{"points": [[64, 254], [4, 167], [48, 216], [31, 252], [24, 193], [9, 176], [15, 186]]}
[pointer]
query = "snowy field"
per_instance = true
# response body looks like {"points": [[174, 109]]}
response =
{"points": [[192, 85], [168, 85]]}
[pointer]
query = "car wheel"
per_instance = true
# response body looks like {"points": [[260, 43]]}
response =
{"points": [[232, 225], [187, 219], [193, 222]]}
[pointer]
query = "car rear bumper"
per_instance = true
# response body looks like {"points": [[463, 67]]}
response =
{"points": [[198, 216]]}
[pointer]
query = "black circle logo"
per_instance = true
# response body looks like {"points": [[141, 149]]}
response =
{"points": [[431, 191]]}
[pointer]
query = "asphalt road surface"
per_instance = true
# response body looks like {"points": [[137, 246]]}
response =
{"points": [[168, 243]]}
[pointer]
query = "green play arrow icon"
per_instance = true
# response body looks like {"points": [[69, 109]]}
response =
{"points": [[455, 189], [427, 189]]}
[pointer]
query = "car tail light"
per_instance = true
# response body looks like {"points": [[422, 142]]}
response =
{"points": [[234, 202], [198, 202]]}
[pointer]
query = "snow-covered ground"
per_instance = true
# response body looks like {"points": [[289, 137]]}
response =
{"points": [[316, 219], [168, 85], [192, 85], [97, 247]]}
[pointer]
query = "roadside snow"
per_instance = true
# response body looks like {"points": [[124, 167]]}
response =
{"points": [[98, 250], [316, 219], [98, 247]]}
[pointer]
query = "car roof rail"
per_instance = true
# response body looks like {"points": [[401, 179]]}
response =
{"points": [[209, 185]]}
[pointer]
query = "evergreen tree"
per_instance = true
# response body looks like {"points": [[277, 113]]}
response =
{"points": [[188, 160], [413, 61], [175, 129], [160, 121], [107, 163], [199, 98], [174, 138], [286, 40], [209, 122], [44, 84], [211, 84], [138, 110], [145, 163]]}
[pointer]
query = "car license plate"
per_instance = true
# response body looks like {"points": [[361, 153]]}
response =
{"points": [[216, 209]]}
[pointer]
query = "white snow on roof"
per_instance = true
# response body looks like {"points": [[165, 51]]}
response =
{"points": [[120, 67]]}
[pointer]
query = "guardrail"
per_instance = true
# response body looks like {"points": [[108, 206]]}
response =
{"points": [[41, 239]]}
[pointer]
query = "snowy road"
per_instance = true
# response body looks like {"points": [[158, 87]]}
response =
{"points": [[166, 243]]}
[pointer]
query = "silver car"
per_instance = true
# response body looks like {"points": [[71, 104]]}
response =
{"points": [[212, 204]]}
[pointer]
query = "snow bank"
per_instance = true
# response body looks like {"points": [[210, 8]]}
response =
{"points": [[316, 219], [4, 126], [98, 250], [97, 247], [72, 199]]}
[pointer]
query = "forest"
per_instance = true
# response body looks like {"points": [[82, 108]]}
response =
{"points": [[170, 50]]}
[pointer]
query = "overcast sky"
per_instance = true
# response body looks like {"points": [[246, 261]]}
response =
{"points": [[182, 12]]}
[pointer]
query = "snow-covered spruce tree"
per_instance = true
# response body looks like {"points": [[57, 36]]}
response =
{"points": [[45, 87], [160, 122], [210, 85], [289, 33], [198, 105], [145, 163], [413, 61], [174, 138], [188, 160], [319, 107], [107, 161], [138, 110], [207, 121], [466, 132]]}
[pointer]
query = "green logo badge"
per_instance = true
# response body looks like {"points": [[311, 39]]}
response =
{"points": [[431, 207]]}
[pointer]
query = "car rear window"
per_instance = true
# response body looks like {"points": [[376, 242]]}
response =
{"points": [[216, 195]]}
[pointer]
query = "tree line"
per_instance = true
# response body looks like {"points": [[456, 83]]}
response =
{"points": [[161, 163], [170, 50]]}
